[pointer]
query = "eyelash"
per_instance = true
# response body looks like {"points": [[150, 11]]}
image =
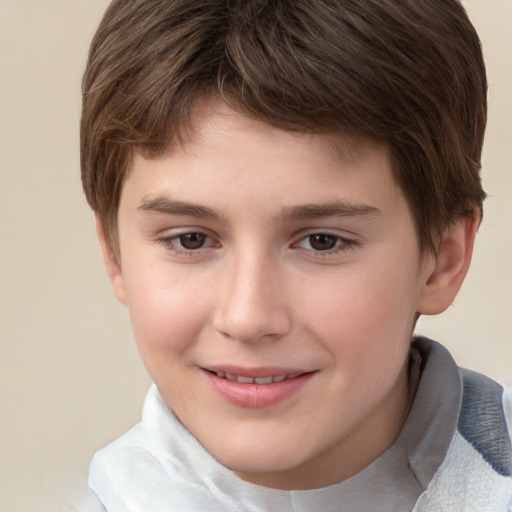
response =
{"points": [[169, 243], [342, 244]]}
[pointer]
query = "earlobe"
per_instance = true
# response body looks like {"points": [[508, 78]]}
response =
{"points": [[112, 266], [445, 271]]}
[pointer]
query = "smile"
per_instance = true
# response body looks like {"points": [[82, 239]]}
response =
{"points": [[256, 380], [256, 388]]}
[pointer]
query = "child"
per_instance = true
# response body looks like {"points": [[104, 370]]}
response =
{"points": [[282, 187]]}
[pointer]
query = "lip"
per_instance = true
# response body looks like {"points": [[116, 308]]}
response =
{"points": [[254, 395]]}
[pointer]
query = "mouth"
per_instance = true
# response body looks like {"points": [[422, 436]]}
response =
{"points": [[243, 379], [259, 387]]}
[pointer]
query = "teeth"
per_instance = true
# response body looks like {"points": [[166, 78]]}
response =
{"points": [[256, 380], [245, 380], [264, 380]]}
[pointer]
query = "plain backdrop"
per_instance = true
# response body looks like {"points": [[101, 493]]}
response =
{"points": [[70, 376]]}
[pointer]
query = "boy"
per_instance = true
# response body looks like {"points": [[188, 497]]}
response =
{"points": [[282, 187]]}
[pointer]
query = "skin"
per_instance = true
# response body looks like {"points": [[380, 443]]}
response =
{"points": [[250, 287]]}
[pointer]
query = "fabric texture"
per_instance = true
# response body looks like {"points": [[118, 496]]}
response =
{"points": [[453, 454]]}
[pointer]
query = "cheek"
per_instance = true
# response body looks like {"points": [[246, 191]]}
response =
{"points": [[365, 317], [165, 312]]}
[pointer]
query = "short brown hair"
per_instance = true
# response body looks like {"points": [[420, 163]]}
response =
{"points": [[409, 72]]}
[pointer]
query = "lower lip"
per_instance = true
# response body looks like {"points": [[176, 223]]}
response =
{"points": [[256, 396]]}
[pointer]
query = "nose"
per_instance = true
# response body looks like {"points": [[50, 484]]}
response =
{"points": [[251, 305]]}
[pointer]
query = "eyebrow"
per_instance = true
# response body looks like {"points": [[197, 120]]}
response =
{"points": [[334, 208], [174, 207]]}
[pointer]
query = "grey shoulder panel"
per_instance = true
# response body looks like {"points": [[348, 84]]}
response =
{"points": [[482, 421]]}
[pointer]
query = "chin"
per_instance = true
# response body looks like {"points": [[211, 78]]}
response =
{"points": [[258, 457]]}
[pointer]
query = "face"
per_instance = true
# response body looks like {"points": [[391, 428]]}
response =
{"points": [[272, 280]]}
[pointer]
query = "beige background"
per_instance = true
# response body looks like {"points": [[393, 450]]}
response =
{"points": [[70, 377]]}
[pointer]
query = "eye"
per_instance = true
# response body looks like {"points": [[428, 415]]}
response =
{"points": [[326, 243], [322, 241], [191, 241]]}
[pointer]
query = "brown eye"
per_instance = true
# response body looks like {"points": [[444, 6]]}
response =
{"points": [[323, 241], [191, 241]]}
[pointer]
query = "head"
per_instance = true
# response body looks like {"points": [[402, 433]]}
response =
{"points": [[408, 73], [281, 187]]}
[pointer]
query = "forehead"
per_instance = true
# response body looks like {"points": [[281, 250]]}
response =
{"points": [[212, 118], [224, 155]]}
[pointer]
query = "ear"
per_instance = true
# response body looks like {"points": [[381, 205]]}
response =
{"points": [[445, 271], [114, 270]]}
